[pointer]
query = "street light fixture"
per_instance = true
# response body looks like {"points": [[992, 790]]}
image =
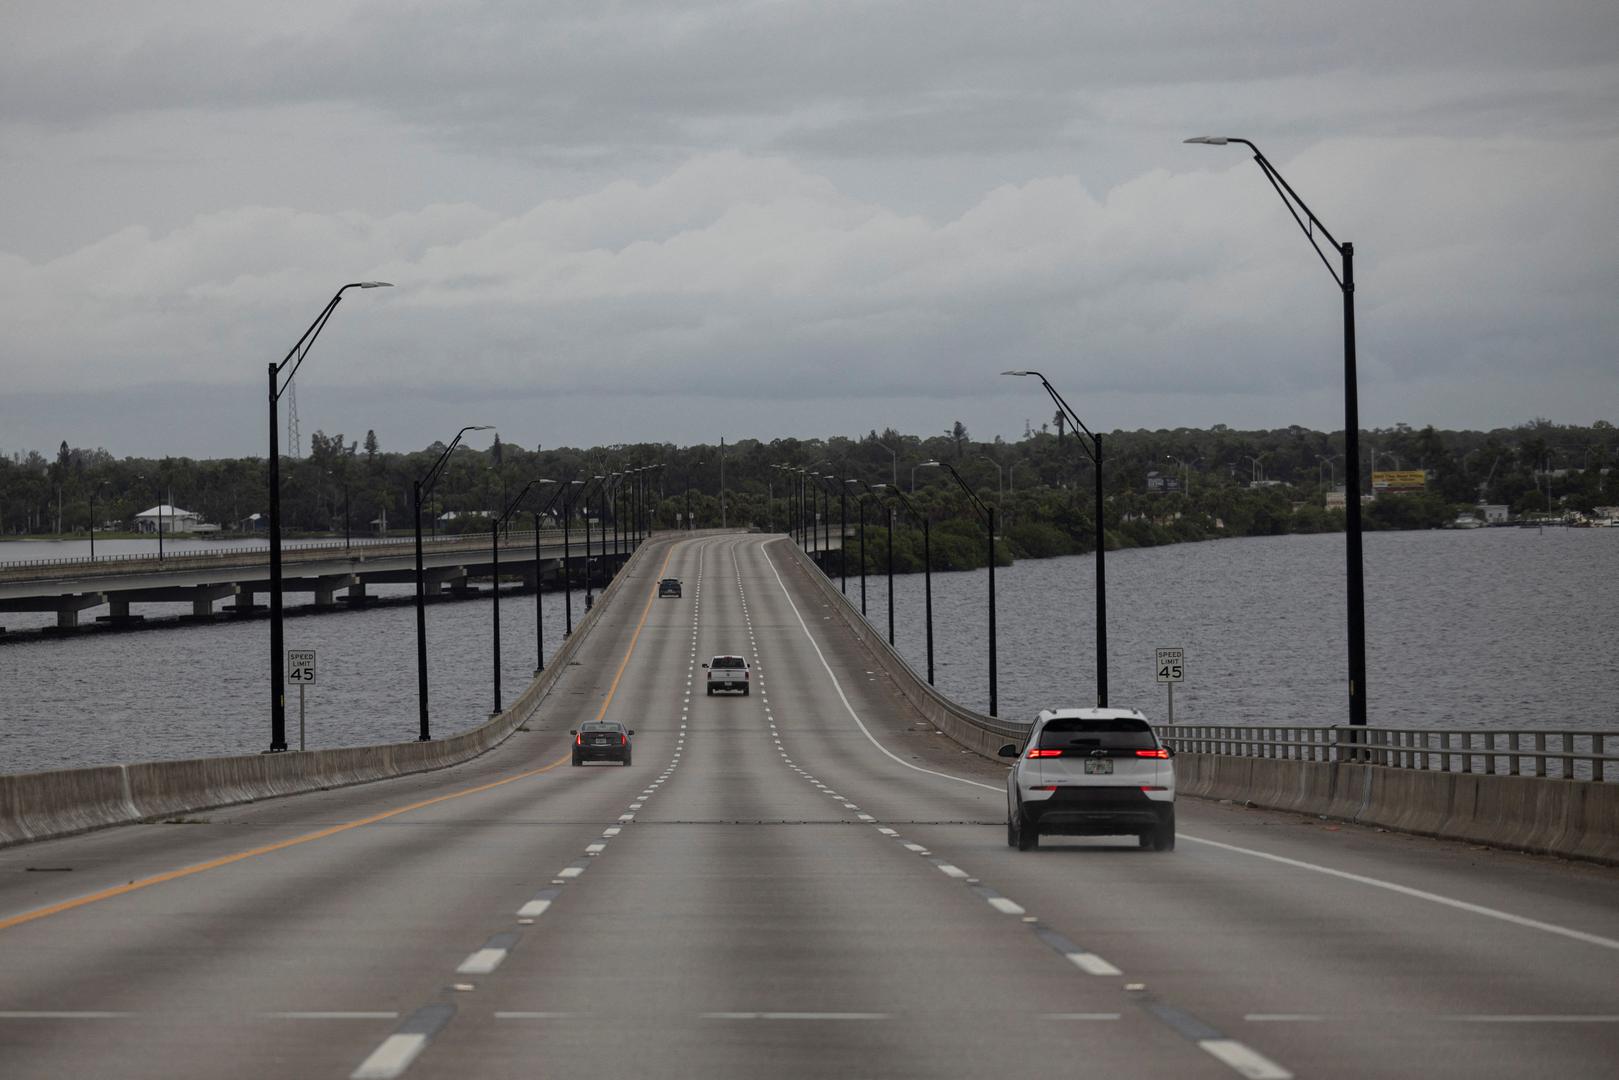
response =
{"points": [[422, 487], [988, 514], [1345, 278], [295, 357], [1094, 452]]}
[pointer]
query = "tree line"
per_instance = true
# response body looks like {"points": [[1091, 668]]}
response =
{"points": [[1162, 486]]}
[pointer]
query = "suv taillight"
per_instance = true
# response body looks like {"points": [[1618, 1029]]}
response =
{"points": [[1044, 753], [1158, 753]]}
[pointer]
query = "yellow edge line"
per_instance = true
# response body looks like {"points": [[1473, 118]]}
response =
{"points": [[651, 597], [227, 860]]}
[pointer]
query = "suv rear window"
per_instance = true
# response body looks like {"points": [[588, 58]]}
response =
{"points": [[728, 662], [1122, 733]]}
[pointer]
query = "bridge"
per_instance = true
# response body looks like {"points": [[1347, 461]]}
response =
{"points": [[451, 565], [812, 880]]}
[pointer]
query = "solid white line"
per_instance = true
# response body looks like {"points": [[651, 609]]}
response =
{"points": [[1253, 1065], [533, 909], [839, 686], [1005, 906], [481, 962], [391, 1058], [60, 1014], [792, 1016], [331, 1015], [1091, 964], [1419, 894], [1460, 905], [1546, 1018]]}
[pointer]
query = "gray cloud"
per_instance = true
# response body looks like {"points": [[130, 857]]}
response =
{"points": [[861, 210]]}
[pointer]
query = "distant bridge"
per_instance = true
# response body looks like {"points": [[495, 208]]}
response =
{"points": [[71, 587]]}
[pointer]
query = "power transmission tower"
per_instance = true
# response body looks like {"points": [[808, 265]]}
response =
{"points": [[293, 447]]}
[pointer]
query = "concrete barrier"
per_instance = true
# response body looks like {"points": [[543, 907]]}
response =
{"points": [[38, 806], [973, 730], [1577, 819]]}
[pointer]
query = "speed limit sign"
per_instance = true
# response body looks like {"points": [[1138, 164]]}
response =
{"points": [[300, 667], [1171, 665]]}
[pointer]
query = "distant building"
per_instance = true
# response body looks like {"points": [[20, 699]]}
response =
{"points": [[1492, 513], [1337, 499], [171, 519]]}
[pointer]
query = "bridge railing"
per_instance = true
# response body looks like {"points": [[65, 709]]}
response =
{"points": [[1542, 752], [473, 541]]}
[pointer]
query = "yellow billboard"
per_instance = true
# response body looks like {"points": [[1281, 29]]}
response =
{"points": [[1404, 480]]}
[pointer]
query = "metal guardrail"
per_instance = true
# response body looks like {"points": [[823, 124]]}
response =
{"points": [[1544, 752]]}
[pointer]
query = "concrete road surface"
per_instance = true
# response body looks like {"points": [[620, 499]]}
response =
{"points": [[805, 881]]}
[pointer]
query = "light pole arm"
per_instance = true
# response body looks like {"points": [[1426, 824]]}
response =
{"points": [[432, 476], [515, 503], [295, 355]]}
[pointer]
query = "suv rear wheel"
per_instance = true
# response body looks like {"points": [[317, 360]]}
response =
{"points": [[1028, 833], [1163, 835]]}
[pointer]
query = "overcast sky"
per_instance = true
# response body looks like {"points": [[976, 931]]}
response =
{"points": [[620, 221]]}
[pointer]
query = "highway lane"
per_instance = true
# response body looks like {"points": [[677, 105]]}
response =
{"points": [[292, 962], [1326, 975], [765, 889]]}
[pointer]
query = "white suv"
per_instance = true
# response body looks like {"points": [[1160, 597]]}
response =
{"points": [[1091, 772]]}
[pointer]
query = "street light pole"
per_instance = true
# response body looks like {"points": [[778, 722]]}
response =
{"points": [[278, 658], [927, 572], [494, 592], [422, 487], [567, 556], [889, 512], [860, 500], [1353, 560], [988, 513], [1094, 452]]}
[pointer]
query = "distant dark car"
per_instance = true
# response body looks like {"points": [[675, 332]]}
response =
{"points": [[669, 587], [601, 740]]}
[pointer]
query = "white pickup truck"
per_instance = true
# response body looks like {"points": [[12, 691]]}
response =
{"points": [[727, 673]]}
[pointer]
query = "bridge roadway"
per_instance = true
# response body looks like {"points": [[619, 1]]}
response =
{"points": [[204, 579], [800, 882]]}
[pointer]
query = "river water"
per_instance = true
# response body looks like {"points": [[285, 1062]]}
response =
{"points": [[1498, 628], [1494, 628]]}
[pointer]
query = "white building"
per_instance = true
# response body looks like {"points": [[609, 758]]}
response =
{"points": [[1492, 513], [173, 519]]}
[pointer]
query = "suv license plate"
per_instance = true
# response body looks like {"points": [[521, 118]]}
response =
{"points": [[1098, 767]]}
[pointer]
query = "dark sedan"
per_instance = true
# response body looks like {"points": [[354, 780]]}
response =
{"points": [[669, 587], [601, 740]]}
